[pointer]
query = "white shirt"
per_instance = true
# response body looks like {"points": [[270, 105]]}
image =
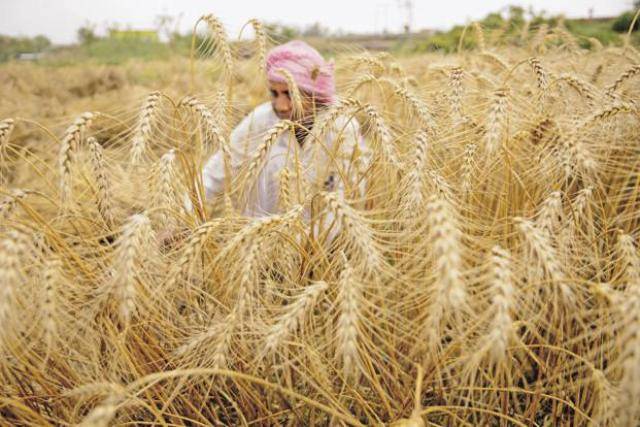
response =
{"points": [[317, 168]]}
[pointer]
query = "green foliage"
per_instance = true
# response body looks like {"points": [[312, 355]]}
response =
{"points": [[446, 42], [516, 16], [86, 34], [115, 51], [11, 47], [584, 29], [508, 29], [493, 21], [281, 33], [623, 22], [316, 30]]}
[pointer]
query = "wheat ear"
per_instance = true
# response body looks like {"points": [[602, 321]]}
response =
{"points": [[70, 143], [104, 198], [144, 127]]}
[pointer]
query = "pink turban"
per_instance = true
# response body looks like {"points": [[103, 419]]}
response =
{"points": [[310, 71]]}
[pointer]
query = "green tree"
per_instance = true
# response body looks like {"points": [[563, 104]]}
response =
{"points": [[516, 16], [623, 22], [315, 30], [87, 34], [493, 20], [11, 47], [281, 33]]}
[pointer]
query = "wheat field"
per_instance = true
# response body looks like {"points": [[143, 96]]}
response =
{"points": [[489, 275]]}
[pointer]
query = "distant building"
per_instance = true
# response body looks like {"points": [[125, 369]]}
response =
{"points": [[137, 35], [30, 56]]}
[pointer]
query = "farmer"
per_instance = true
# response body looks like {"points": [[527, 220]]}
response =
{"points": [[315, 79], [323, 160]]}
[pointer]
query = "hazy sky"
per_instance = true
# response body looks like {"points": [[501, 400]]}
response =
{"points": [[59, 19]]}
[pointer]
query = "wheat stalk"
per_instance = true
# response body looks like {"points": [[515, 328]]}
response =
{"points": [[542, 79], [582, 201], [221, 42], [412, 194], [329, 117], [360, 82], [468, 167], [211, 129], [292, 317], [579, 154], [132, 249], [567, 37], [502, 331], [383, 135], [70, 143], [144, 127], [606, 399], [538, 41], [220, 336], [51, 279], [103, 414], [445, 236], [542, 249], [374, 64], [190, 250], [350, 293], [596, 74], [285, 190], [626, 75], [359, 235], [496, 120], [595, 44], [550, 216], [221, 108], [629, 261], [6, 127], [10, 279], [457, 93], [418, 106], [582, 87], [480, 35], [164, 196], [9, 203], [260, 155], [496, 59], [294, 93], [627, 409], [261, 40], [104, 198]]}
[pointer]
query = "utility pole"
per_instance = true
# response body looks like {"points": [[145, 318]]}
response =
{"points": [[407, 6]]}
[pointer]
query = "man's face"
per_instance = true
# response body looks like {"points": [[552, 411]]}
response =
{"points": [[282, 104]]}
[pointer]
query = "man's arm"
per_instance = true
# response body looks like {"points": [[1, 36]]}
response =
{"points": [[213, 173]]}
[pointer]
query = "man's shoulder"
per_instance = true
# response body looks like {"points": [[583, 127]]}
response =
{"points": [[264, 108], [262, 113], [258, 120]]}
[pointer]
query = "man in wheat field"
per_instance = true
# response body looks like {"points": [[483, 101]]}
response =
{"points": [[315, 79], [316, 154]]}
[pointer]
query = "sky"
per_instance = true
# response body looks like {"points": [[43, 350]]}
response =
{"points": [[60, 19]]}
